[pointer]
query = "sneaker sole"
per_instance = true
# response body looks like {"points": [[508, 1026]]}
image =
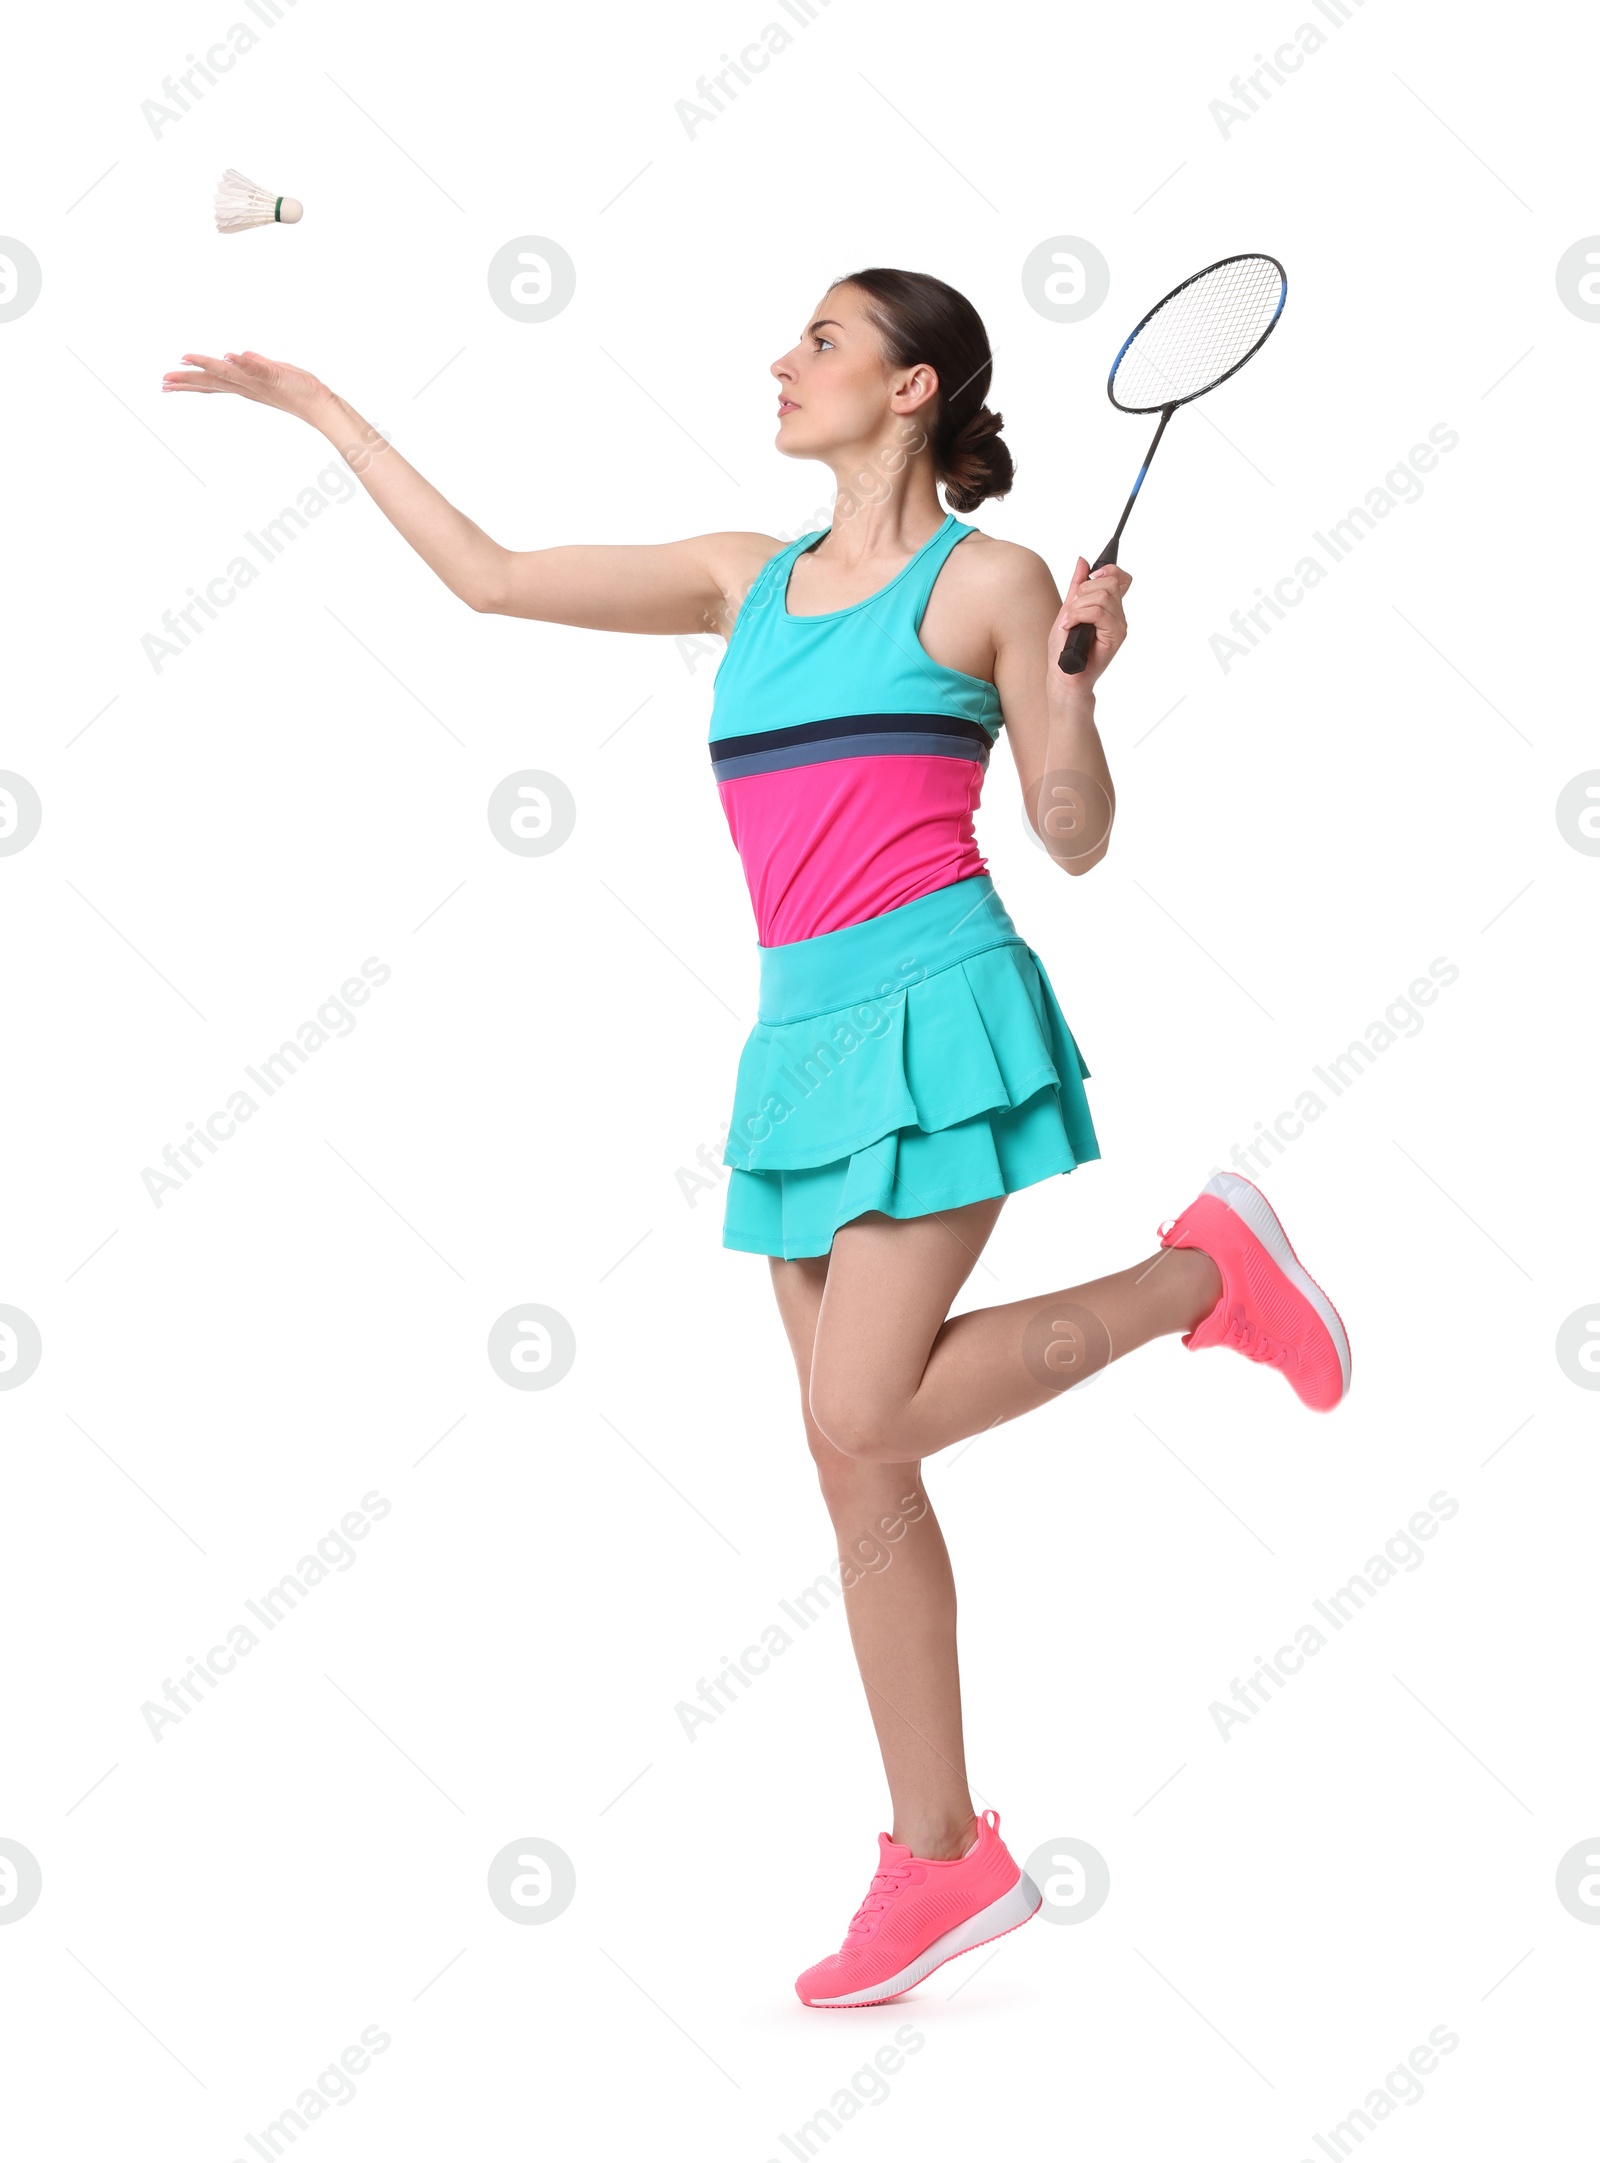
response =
{"points": [[1251, 1205], [1007, 1913]]}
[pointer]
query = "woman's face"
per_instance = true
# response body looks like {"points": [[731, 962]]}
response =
{"points": [[836, 391]]}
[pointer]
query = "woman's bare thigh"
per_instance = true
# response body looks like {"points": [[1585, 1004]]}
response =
{"points": [[889, 1287], [798, 1287]]}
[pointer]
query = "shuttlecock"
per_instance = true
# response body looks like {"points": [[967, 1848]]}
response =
{"points": [[240, 204]]}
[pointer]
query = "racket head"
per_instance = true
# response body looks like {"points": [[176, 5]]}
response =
{"points": [[1199, 334]]}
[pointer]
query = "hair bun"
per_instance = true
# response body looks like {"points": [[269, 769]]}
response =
{"points": [[976, 465]]}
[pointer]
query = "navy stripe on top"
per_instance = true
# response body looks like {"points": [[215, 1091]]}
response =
{"points": [[808, 743]]}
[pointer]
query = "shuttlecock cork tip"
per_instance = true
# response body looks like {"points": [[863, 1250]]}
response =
{"points": [[290, 212]]}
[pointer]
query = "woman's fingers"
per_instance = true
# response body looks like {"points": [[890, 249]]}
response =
{"points": [[1094, 588], [1098, 600], [246, 375], [1113, 581], [1109, 574], [1105, 615], [208, 374]]}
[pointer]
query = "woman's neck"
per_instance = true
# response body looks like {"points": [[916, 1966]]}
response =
{"points": [[881, 513]]}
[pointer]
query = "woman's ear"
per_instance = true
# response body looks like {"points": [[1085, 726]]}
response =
{"points": [[920, 387]]}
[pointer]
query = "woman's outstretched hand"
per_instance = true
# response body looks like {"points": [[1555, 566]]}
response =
{"points": [[252, 375]]}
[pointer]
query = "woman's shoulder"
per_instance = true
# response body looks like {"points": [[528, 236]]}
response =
{"points": [[736, 562], [997, 565], [1002, 579], [738, 557]]}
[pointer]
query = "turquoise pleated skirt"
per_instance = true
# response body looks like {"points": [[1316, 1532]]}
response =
{"points": [[907, 1064]]}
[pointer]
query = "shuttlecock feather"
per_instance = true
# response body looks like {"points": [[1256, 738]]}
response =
{"points": [[240, 204]]}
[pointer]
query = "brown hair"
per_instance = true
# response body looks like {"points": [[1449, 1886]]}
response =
{"points": [[922, 319]]}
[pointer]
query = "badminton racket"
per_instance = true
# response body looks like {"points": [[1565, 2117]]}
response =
{"points": [[1200, 334]]}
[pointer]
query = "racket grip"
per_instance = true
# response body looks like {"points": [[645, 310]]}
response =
{"points": [[1075, 649]]}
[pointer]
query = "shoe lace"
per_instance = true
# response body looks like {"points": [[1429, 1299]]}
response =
{"points": [[885, 1885], [1254, 1343]]}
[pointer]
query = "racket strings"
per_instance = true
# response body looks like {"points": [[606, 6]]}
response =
{"points": [[1198, 334]]}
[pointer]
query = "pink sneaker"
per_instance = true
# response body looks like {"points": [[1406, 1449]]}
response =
{"points": [[919, 1914], [1270, 1310]]}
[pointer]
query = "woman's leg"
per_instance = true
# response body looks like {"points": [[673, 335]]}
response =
{"points": [[901, 1601], [894, 1377]]}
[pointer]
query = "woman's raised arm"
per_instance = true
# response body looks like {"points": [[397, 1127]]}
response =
{"points": [[694, 585]]}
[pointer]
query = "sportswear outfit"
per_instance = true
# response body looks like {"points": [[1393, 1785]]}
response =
{"points": [[909, 1053]]}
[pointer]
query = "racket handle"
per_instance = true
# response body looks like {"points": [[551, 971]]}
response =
{"points": [[1075, 649]]}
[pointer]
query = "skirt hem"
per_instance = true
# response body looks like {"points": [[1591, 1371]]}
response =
{"points": [[927, 1206]]}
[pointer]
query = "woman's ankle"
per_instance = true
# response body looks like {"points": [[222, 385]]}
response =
{"points": [[1207, 1278], [937, 1839], [1188, 1284]]}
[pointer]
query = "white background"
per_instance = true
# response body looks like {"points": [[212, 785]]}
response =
{"points": [[224, 841]]}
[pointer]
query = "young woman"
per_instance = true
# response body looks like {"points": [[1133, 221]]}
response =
{"points": [[910, 1066]]}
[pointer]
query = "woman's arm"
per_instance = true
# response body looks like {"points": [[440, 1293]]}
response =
{"points": [[1061, 762], [678, 586]]}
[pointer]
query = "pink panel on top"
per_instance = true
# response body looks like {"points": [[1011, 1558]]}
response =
{"points": [[833, 844]]}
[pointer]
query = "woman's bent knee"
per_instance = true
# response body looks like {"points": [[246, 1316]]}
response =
{"points": [[864, 1434]]}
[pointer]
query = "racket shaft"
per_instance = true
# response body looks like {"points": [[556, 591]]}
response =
{"points": [[1075, 648]]}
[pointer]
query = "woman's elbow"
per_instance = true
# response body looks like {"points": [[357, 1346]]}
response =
{"points": [[1076, 866], [1076, 853], [487, 583], [485, 592], [1072, 816]]}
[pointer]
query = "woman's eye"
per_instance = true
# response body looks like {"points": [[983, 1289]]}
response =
{"points": [[821, 342]]}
